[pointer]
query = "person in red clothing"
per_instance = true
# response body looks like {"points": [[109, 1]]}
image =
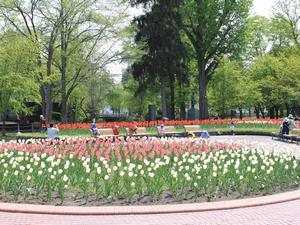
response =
{"points": [[133, 127], [43, 124], [116, 130]]}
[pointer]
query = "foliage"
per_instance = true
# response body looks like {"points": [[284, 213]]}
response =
{"points": [[213, 28], [18, 74], [277, 78], [258, 29], [164, 54], [76, 38], [224, 88]]}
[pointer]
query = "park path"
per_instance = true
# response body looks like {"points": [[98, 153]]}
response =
{"points": [[275, 214]]}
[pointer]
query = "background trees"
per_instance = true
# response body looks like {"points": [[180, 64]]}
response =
{"points": [[233, 62], [213, 28], [76, 40], [243, 62], [162, 62], [18, 75]]}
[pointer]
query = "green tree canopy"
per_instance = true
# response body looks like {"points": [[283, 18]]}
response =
{"points": [[18, 74]]}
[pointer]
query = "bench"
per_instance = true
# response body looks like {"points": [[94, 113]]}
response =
{"points": [[141, 131], [277, 135], [294, 135], [170, 130], [106, 132], [192, 129]]}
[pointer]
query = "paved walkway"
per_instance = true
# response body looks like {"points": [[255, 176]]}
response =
{"points": [[281, 213], [277, 214]]}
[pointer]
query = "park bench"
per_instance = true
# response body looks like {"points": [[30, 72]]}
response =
{"points": [[277, 135], [294, 135], [141, 131], [106, 132], [171, 131], [192, 130]]}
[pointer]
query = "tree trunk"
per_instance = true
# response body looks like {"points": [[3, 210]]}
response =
{"points": [[231, 114], [250, 114], [272, 112], [241, 113], [181, 102], [48, 102], [172, 103], [47, 89], [294, 109], [257, 112], [182, 111], [262, 112], [203, 105], [287, 109], [63, 109], [163, 98], [281, 112], [43, 96], [63, 58], [277, 113]]}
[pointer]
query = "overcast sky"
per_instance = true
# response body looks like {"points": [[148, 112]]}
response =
{"points": [[260, 7], [263, 7]]}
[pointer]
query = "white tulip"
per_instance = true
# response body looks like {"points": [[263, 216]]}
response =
{"points": [[65, 178], [122, 173]]}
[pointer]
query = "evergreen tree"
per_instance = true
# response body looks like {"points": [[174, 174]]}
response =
{"points": [[164, 58]]}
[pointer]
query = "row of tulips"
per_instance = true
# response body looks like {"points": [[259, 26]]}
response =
{"points": [[169, 122], [122, 169]]}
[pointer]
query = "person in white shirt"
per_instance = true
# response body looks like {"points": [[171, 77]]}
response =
{"points": [[52, 132]]}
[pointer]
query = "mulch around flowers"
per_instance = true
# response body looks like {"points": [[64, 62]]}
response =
{"points": [[77, 199]]}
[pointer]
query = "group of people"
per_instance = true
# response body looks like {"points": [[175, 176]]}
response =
{"points": [[132, 129]]}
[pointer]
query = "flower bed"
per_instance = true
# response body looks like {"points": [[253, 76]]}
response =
{"points": [[262, 126], [259, 122], [137, 169]]}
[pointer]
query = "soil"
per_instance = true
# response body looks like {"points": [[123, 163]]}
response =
{"points": [[77, 199]]}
